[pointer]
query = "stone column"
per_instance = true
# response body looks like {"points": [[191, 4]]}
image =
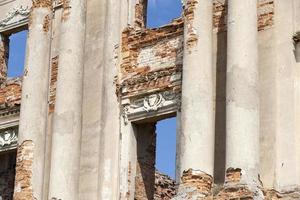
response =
{"points": [[242, 103], [66, 139], [196, 156], [34, 105], [109, 142]]}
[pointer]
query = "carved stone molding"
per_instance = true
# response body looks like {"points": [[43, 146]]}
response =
{"points": [[8, 139], [153, 105], [296, 37], [57, 3], [15, 18]]}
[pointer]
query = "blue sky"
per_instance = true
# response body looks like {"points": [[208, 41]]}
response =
{"points": [[166, 146], [17, 46], [160, 12]]}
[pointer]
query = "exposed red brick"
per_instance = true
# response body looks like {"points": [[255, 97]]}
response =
{"points": [[165, 187], [46, 24], [191, 37], [10, 93], [41, 3], [140, 14], [238, 193], [52, 91], [265, 15], [201, 181], [141, 78], [23, 182], [233, 175], [4, 41]]}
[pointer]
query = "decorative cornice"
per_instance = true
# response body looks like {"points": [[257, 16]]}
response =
{"points": [[153, 105], [15, 18], [8, 138]]}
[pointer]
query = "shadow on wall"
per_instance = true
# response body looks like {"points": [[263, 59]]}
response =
{"points": [[145, 173], [220, 123]]}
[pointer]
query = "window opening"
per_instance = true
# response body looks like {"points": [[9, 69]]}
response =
{"points": [[17, 49], [162, 12], [166, 147]]}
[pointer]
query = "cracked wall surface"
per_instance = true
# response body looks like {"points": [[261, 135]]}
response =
{"points": [[150, 63]]}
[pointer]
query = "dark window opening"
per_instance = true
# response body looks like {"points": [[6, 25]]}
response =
{"points": [[7, 174], [16, 58], [162, 12]]}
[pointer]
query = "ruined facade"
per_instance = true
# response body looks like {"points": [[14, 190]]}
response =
{"points": [[80, 123]]}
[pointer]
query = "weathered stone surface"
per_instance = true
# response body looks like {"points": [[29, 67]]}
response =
{"points": [[145, 70]]}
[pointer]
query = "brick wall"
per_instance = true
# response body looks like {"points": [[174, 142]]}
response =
{"points": [[151, 59], [165, 187], [265, 15], [10, 94], [4, 41]]}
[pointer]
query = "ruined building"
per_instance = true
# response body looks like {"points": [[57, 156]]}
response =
{"points": [[80, 123]]}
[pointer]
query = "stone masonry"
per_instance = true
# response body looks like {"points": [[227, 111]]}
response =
{"points": [[80, 124]]}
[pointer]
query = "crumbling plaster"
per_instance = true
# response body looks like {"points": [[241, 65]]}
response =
{"points": [[150, 63]]}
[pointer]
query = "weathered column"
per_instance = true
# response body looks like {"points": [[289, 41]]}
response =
{"points": [[34, 104], [242, 105], [109, 142], [196, 156], [65, 158]]}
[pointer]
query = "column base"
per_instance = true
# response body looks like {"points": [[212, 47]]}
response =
{"points": [[275, 195], [240, 188], [195, 185]]}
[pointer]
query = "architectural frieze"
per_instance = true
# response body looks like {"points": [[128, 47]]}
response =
{"points": [[160, 103], [17, 17], [8, 139]]}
